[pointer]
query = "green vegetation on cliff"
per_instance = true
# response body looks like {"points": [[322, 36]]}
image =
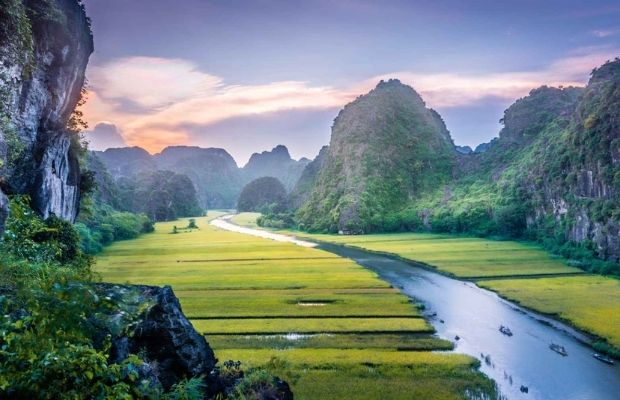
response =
{"points": [[386, 149], [266, 194], [553, 175]]}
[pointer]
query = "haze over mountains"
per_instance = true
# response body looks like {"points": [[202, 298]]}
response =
{"points": [[392, 165], [215, 174], [552, 175]]}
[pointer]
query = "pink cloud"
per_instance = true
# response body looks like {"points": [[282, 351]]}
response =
{"points": [[171, 94]]}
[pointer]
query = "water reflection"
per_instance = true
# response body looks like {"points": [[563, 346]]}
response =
{"points": [[523, 365]]}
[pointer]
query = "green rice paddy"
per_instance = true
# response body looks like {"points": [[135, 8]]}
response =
{"points": [[591, 303], [328, 326], [521, 272]]}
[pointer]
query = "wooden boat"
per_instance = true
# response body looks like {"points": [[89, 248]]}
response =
{"points": [[505, 330], [603, 358], [558, 349]]}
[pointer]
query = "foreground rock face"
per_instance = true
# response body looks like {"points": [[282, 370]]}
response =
{"points": [[148, 321], [43, 57], [151, 323]]}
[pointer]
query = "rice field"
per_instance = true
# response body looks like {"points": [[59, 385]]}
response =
{"points": [[328, 326], [591, 303], [247, 219], [462, 257], [521, 272]]}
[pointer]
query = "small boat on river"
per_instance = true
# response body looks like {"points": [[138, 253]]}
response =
{"points": [[505, 330], [603, 358], [558, 349]]}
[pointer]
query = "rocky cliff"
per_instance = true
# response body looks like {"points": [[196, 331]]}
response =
{"points": [[580, 191], [44, 50], [553, 174], [215, 174], [386, 148], [276, 163], [148, 320]]}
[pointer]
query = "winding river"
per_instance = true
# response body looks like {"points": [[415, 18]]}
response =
{"points": [[457, 308]]}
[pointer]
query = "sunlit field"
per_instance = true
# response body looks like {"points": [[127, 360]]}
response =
{"points": [[247, 219], [320, 321], [460, 256], [591, 303], [521, 272]]}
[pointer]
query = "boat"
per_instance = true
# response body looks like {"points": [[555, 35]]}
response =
{"points": [[505, 330], [558, 349], [603, 358]]}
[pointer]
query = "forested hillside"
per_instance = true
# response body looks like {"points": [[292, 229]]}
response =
{"points": [[386, 149], [215, 174], [553, 174]]}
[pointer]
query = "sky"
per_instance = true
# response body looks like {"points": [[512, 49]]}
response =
{"points": [[249, 75]]}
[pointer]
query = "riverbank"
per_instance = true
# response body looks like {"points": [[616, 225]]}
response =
{"points": [[588, 303], [471, 316], [325, 324]]}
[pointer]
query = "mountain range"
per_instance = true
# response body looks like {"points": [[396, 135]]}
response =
{"points": [[552, 175], [215, 174]]}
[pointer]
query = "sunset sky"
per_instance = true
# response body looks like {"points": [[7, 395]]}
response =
{"points": [[248, 75]]}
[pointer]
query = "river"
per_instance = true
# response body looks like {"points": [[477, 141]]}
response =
{"points": [[474, 315]]}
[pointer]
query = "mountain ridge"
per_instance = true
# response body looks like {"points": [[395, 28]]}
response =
{"points": [[214, 172]]}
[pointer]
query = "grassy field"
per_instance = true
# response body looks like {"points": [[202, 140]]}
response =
{"points": [[591, 303], [518, 271], [247, 219], [330, 327], [462, 257]]}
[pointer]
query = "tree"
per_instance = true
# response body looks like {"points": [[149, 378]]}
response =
{"points": [[265, 194]]}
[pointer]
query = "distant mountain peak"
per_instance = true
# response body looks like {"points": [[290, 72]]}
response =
{"points": [[275, 163], [390, 82]]}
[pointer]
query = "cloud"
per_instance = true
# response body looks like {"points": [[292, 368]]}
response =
{"points": [[104, 136], [167, 95], [603, 33], [151, 82], [158, 102], [455, 90]]}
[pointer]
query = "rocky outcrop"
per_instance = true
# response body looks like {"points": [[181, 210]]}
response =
{"points": [[42, 62], [213, 171], [276, 163], [386, 148], [307, 180], [148, 321]]}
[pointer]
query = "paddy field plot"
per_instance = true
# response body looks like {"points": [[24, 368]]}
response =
{"points": [[462, 257], [591, 303], [521, 272], [328, 326], [247, 219]]}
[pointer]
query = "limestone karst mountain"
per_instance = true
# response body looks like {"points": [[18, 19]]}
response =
{"points": [[386, 148]]}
